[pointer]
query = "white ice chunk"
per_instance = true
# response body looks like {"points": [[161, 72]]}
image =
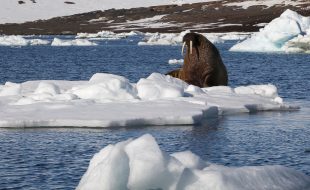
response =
{"points": [[140, 164], [189, 160], [299, 44], [263, 90], [35, 42], [155, 100], [158, 86], [76, 42], [13, 41], [20, 41], [176, 38], [106, 86], [276, 34], [107, 35], [164, 39], [46, 87], [10, 89], [176, 61]]}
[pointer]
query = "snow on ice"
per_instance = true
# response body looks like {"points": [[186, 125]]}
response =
{"points": [[108, 35], [76, 42], [12, 12], [176, 39], [20, 41], [175, 61], [87, 39], [140, 164], [287, 33], [108, 100], [172, 38]]}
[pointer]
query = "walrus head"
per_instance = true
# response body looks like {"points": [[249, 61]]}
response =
{"points": [[193, 42]]}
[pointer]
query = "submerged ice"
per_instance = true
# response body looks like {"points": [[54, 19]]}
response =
{"points": [[108, 100], [140, 164]]}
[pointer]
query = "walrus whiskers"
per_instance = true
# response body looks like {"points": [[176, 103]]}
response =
{"points": [[191, 46], [183, 48]]}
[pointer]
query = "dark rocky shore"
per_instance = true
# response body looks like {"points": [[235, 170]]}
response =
{"points": [[200, 17]]}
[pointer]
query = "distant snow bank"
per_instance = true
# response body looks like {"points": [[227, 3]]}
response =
{"points": [[141, 164], [288, 33], [155, 100], [13, 12]]}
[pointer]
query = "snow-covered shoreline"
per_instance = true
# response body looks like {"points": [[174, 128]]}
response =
{"points": [[108, 100]]}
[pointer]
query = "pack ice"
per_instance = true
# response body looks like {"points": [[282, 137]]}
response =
{"points": [[288, 33], [176, 38], [140, 164], [108, 100]]}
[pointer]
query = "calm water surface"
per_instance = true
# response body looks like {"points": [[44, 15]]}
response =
{"points": [[57, 158]]}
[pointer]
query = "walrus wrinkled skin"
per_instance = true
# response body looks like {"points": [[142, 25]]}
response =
{"points": [[203, 65]]}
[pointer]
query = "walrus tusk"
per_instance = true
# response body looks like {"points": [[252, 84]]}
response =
{"points": [[183, 47], [191, 46]]}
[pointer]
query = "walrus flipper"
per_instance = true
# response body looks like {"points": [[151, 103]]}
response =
{"points": [[175, 73]]}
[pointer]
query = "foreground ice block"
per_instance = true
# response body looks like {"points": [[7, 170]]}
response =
{"points": [[108, 100], [140, 164]]}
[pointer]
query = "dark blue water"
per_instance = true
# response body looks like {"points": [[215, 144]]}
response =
{"points": [[57, 158]]}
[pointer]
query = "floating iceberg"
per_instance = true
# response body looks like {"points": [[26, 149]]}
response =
{"points": [[176, 39], [163, 38], [20, 41], [176, 61], [278, 35], [108, 100], [76, 42], [36, 42], [140, 164], [300, 44], [107, 35]]}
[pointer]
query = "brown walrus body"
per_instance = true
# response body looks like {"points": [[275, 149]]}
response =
{"points": [[203, 65]]}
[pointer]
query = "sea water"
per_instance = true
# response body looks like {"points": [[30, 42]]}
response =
{"points": [[56, 158]]}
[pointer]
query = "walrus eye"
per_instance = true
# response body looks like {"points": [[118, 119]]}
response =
{"points": [[191, 46], [183, 48]]}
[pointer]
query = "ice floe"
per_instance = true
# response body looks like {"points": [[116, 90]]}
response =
{"points": [[176, 38], [176, 61], [35, 42], [299, 44], [13, 40], [107, 35], [141, 164], [76, 42], [163, 38], [285, 33], [108, 100]]}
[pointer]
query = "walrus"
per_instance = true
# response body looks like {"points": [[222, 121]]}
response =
{"points": [[203, 65]]}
